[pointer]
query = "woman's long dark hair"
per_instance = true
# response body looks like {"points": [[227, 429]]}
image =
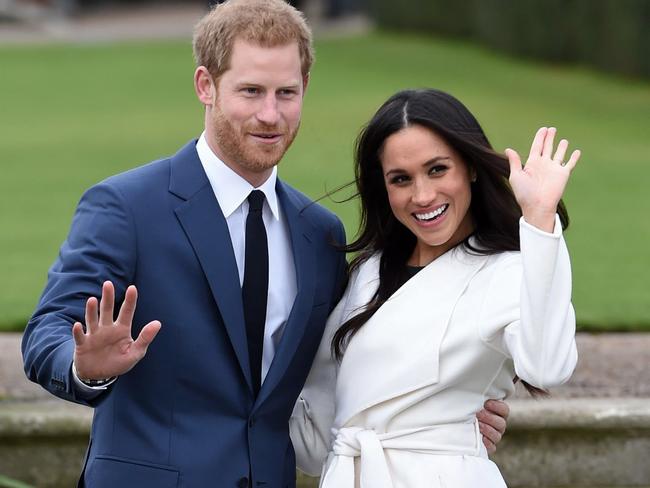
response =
{"points": [[493, 207]]}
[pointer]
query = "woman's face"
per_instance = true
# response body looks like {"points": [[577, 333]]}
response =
{"points": [[429, 190]]}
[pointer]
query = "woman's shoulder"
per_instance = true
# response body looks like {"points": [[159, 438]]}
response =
{"points": [[505, 258], [366, 271], [473, 247]]}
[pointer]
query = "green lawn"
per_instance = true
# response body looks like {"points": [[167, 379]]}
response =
{"points": [[72, 115]]}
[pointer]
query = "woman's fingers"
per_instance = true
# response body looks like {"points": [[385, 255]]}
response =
{"points": [[543, 146], [514, 160], [573, 160], [561, 151], [547, 151], [538, 142]]}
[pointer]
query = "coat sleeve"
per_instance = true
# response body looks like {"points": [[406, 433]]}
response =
{"points": [[531, 293], [313, 415], [100, 246]]}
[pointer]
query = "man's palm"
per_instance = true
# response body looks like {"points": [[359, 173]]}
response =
{"points": [[106, 348]]}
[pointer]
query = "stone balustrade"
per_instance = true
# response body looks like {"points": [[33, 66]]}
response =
{"points": [[560, 443]]}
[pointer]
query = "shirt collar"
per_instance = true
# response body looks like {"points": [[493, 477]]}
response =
{"points": [[231, 189]]}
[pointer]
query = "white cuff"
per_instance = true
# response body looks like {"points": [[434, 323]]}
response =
{"points": [[557, 229], [87, 388]]}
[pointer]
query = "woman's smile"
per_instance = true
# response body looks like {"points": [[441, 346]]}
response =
{"points": [[431, 217]]}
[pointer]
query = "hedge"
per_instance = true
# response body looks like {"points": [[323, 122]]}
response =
{"points": [[611, 35]]}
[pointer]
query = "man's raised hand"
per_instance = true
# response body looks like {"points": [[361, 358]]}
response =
{"points": [[106, 348]]}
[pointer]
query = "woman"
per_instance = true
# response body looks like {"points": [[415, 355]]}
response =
{"points": [[443, 309]]}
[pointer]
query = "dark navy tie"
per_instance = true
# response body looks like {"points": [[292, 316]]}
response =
{"points": [[256, 283]]}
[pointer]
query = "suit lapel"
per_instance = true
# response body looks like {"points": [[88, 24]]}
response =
{"points": [[300, 230], [205, 226]]}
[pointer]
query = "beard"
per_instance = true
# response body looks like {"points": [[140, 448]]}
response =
{"points": [[239, 149]]}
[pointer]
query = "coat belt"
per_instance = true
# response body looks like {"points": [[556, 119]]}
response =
{"points": [[369, 446]]}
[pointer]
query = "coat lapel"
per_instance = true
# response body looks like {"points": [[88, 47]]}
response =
{"points": [[300, 230], [397, 350], [205, 226]]}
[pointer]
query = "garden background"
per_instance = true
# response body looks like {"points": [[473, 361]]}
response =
{"points": [[72, 115]]}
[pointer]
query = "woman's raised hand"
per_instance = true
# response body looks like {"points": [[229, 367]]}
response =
{"points": [[538, 186]]}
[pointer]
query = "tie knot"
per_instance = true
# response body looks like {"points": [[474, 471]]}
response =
{"points": [[255, 201]]}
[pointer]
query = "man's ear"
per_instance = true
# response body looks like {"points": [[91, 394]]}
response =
{"points": [[204, 86], [305, 83]]}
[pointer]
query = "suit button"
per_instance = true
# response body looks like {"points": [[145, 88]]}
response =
{"points": [[251, 422], [243, 482]]}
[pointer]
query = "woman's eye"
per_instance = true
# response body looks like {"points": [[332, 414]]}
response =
{"points": [[399, 179], [437, 169]]}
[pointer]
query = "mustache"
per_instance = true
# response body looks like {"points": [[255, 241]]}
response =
{"points": [[267, 128]]}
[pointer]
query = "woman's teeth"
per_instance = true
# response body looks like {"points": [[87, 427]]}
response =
{"points": [[432, 215]]}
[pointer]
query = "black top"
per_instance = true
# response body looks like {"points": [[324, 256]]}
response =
{"points": [[411, 271]]}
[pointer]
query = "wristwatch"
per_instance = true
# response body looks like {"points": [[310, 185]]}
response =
{"points": [[92, 383], [95, 383]]}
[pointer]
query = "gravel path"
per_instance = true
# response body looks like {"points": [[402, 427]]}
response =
{"points": [[170, 20], [167, 21], [609, 365]]}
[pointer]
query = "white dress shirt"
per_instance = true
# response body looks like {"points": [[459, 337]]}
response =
{"points": [[231, 191]]}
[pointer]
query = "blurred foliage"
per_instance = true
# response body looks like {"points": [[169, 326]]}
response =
{"points": [[612, 35]]}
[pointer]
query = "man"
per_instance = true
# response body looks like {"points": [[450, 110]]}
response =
{"points": [[234, 274]]}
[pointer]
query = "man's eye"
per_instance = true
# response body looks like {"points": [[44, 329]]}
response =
{"points": [[287, 92], [250, 90]]}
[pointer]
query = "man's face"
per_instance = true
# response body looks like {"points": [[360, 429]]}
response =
{"points": [[256, 113]]}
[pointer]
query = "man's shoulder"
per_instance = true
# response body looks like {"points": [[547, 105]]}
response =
{"points": [[144, 175], [133, 187], [154, 174]]}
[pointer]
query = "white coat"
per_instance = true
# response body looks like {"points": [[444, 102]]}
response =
{"points": [[399, 411]]}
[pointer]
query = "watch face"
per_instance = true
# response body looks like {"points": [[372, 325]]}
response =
{"points": [[97, 382], [91, 383]]}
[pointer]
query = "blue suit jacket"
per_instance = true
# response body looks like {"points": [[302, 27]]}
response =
{"points": [[185, 415]]}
